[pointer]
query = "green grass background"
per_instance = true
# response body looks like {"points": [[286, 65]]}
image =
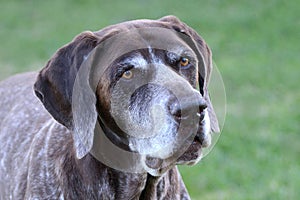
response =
{"points": [[256, 47]]}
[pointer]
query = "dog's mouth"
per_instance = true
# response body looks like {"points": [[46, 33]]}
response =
{"points": [[173, 152], [201, 140], [192, 155], [157, 166]]}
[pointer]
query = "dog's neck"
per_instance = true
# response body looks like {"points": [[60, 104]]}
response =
{"points": [[90, 179]]}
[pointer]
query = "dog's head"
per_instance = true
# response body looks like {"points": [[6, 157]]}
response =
{"points": [[142, 83]]}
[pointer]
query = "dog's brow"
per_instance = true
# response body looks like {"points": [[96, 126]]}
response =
{"points": [[135, 59], [153, 57], [182, 51]]}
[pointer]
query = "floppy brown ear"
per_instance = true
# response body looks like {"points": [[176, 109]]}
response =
{"points": [[204, 56], [54, 84]]}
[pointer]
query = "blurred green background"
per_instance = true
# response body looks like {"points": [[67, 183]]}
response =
{"points": [[256, 48]]}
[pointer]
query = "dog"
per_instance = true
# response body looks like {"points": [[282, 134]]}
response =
{"points": [[110, 115]]}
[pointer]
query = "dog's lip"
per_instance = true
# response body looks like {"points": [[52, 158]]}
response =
{"points": [[194, 146], [192, 155], [196, 142]]}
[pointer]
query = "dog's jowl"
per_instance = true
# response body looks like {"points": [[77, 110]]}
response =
{"points": [[110, 116]]}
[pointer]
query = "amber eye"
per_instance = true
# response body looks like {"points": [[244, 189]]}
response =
{"points": [[127, 74], [184, 62]]}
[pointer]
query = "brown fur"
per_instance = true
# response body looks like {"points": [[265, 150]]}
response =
{"points": [[38, 159]]}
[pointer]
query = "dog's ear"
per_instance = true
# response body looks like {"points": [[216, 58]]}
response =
{"points": [[204, 55], [55, 84]]}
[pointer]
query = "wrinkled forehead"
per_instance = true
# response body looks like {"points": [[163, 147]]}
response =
{"points": [[140, 38]]}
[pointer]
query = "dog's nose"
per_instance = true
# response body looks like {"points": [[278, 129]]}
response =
{"points": [[186, 106]]}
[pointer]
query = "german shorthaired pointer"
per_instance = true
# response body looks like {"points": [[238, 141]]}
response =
{"points": [[147, 85]]}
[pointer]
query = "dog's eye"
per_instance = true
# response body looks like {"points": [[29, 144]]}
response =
{"points": [[184, 62], [127, 74]]}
